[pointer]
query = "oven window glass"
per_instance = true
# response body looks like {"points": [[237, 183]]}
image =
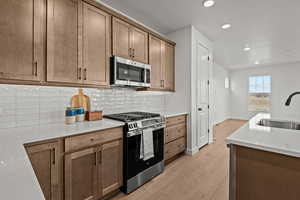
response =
{"points": [[128, 72]]}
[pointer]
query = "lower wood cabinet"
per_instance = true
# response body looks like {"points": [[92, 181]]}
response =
{"points": [[82, 177], [93, 172], [45, 161], [93, 165], [112, 166], [175, 137]]}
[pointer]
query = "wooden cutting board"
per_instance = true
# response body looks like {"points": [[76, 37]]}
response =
{"points": [[81, 100]]}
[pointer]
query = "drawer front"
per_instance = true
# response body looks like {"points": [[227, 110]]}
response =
{"points": [[91, 139], [175, 120], [174, 148], [175, 132]]}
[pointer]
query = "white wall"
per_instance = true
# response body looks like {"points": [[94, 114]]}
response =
{"points": [[184, 99], [285, 80], [221, 95]]}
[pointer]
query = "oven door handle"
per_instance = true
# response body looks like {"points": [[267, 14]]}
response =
{"points": [[133, 133]]}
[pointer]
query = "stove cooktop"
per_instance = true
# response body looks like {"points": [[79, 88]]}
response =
{"points": [[131, 116]]}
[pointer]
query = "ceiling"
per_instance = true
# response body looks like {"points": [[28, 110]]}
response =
{"points": [[270, 28]]}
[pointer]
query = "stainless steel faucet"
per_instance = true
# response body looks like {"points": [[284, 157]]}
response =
{"points": [[288, 101]]}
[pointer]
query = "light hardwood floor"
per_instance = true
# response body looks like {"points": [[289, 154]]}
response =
{"points": [[203, 176]]}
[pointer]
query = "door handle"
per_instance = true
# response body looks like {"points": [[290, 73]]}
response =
{"points": [[35, 69], [85, 74], [130, 52], [199, 109], [79, 73]]}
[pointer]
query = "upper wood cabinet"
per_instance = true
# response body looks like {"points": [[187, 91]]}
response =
{"points": [[78, 43], [45, 161], [168, 63], [22, 39], [112, 159], [129, 42], [96, 45], [161, 59], [121, 39], [63, 47], [155, 60]]}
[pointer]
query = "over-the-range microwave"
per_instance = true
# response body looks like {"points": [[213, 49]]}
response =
{"points": [[128, 73]]}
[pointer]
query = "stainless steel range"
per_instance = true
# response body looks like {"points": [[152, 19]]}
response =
{"points": [[138, 170]]}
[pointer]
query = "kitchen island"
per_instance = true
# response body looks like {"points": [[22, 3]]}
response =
{"points": [[264, 162]]}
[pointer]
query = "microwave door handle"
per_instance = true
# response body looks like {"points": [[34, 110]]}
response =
{"points": [[115, 70]]}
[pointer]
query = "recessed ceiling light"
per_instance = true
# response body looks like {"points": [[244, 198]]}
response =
{"points": [[208, 3], [256, 62], [226, 26], [247, 49]]}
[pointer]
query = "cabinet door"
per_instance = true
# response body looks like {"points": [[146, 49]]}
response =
{"points": [[112, 165], [45, 162], [121, 39], [81, 175], [96, 46], [155, 60], [139, 45], [22, 39], [63, 39], [168, 66]]}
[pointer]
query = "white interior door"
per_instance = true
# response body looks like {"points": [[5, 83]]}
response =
{"points": [[202, 95]]}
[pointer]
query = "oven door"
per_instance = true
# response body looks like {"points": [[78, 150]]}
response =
{"points": [[133, 164]]}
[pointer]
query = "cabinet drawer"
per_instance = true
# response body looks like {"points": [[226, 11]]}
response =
{"points": [[174, 148], [90, 139], [175, 132], [175, 120]]}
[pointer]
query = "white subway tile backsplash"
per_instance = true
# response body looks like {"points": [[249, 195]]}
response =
{"points": [[32, 105]]}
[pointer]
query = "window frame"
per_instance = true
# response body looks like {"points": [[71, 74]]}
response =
{"points": [[257, 93]]}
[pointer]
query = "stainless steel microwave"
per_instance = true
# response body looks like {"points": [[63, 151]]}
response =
{"points": [[129, 73]]}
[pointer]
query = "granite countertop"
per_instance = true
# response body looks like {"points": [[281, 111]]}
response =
{"points": [[277, 140], [17, 178]]}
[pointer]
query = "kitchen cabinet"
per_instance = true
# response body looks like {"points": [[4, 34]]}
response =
{"points": [[161, 59], [96, 46], [155, 60], [112, 166], [93, 164], [82, 174], [63, 41], [22, 40], [45, 160], [168, 63], [175, 137], [257, 174], [70, 42], [78, 43], [129, 42]]}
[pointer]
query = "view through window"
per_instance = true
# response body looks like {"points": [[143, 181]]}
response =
{"points": [[259, 99]]}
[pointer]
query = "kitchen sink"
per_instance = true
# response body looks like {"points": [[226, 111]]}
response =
{"points": [[279, 124]]}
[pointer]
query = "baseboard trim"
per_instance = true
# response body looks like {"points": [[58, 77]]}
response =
{"points": [[191, 152]]}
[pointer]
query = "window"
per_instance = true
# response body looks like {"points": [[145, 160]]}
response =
{"points": [[259, 93]]}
